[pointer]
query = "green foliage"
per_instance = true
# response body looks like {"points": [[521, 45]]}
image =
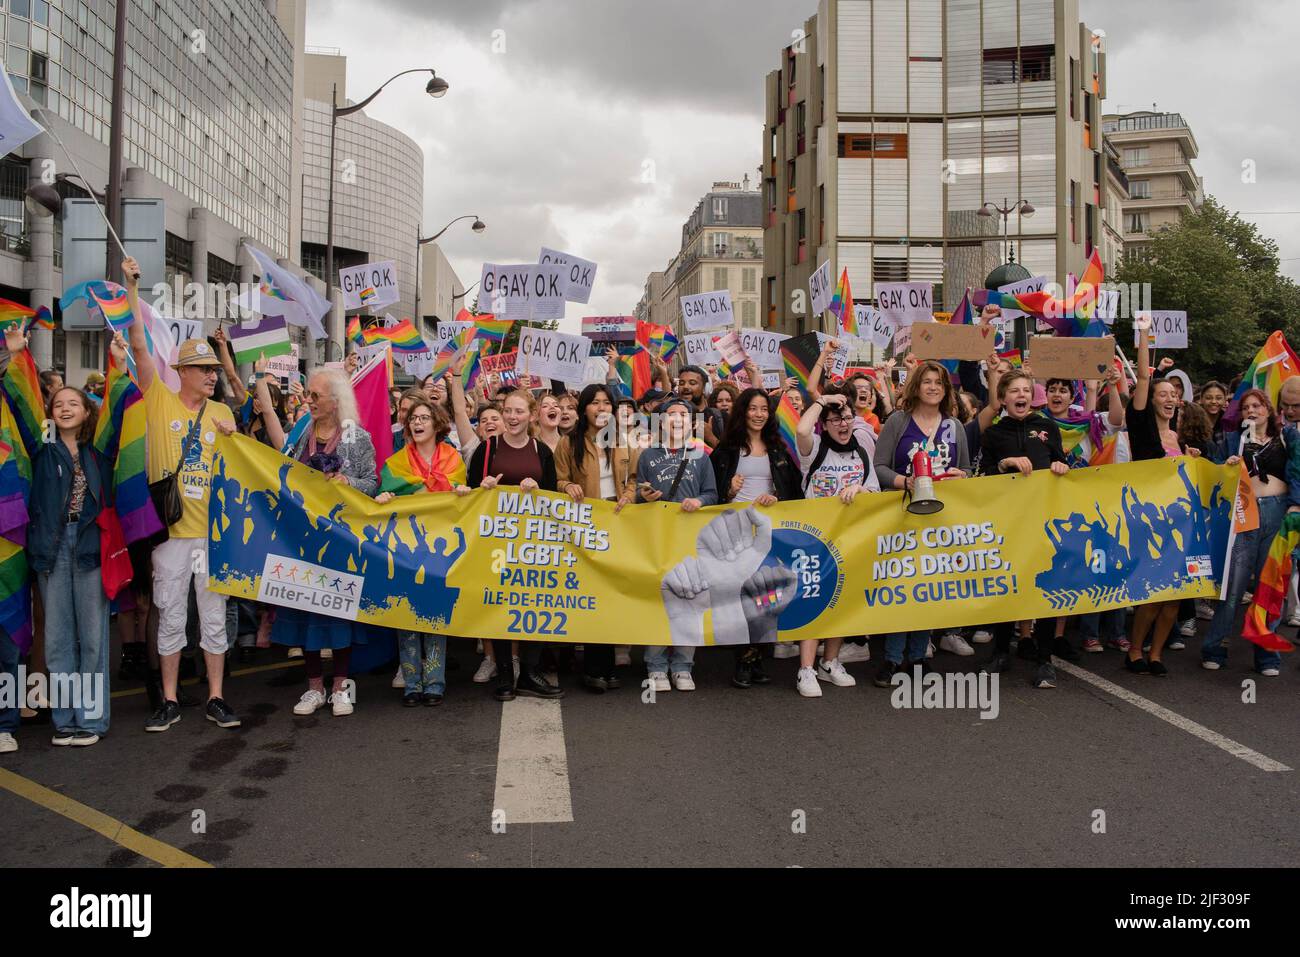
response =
{"points": [[1218, 268]]}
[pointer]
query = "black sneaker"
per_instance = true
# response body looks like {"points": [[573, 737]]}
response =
{"points": [[594, 684], [744, 676], [533, 685], [164, 717], [221, 714], [1046, 677], [1138, 667], [84, 739], [613, 682], [999, 663], [1027, 648], [411, 700], [431, 700], [756, 673], [885, 676], [1158, 669], [63, 737]]}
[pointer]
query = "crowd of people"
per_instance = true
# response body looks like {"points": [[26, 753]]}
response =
{"points": [[855, 437]]}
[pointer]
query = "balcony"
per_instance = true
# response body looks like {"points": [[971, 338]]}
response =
{"points": [[1142, 124], [1118, 172]]}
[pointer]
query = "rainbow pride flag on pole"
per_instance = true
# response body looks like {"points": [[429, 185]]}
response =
{"points": [[634, 372], [1069, 316], [402, 337], [1270, 591], [119, 434], [11, 312], [787, 420], [489, 329], [108, 297], [842, 306]]}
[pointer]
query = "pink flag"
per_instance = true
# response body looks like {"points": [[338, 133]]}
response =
{"points": [[371, 388]]}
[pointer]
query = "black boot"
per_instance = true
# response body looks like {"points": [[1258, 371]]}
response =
{"points": [[531, 684], [134, 666], [153, 687]]}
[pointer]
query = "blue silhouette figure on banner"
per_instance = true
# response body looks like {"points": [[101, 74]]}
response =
{"points": [[1089, 559]]}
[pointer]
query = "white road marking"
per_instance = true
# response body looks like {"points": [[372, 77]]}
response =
{"points": [[532, 764], [1236, 749]]}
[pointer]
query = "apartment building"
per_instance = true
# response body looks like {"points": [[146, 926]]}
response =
{"points": [[1156, 153]]}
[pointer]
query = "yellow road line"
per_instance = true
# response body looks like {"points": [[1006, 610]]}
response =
{"points": [[242, 672], [97, 821]]}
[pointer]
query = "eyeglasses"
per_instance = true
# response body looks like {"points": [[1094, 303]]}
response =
{"points": [[844, 415], [317, 396], [420, 419]]}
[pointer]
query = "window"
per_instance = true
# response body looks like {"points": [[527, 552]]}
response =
{"points": [[1037, 64], [748, 314], [1089, 237], [873, 146], [90, 350], [1074, 211], [801, 234], [771, 299], [719, 210], [1136, 156], [749, 280], [721, 243], [1136, 222], [179, 257], [801, 126], [720, 278], [1139, 189], [1001, 66], [221, 271], [1074, 84], [888, 270]]}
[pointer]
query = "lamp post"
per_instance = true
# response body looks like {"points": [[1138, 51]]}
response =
{"points": [[437, 88], [1010, 271], [478, 227]]}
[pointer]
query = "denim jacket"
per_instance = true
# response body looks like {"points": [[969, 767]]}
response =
{"points": [[48, 506]]}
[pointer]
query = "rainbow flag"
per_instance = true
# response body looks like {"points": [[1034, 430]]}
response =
{"points": [[119, 434], [448, 353], [1104, 454], [15, 481], [43, 319], [490, 330], [1270, 591], [22, 387], [354, 331], [1014, 356], [11, 312], [1069, 316], [108, 297], [787, 420], [1075, 431], [634, 372], [401, 476], [402, 337], [473, 369], [658, 339], [15, 488], [842, 306], [15, 595], [1275, 363]]}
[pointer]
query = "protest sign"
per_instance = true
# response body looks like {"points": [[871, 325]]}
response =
{"points": [[763, 347], [1034, 284], [700, 350], [820, 287], [906, 302], [708, 310], [553, 355], [938, 340], [610, 329], [531, 293], [449, 329], [580, 274], [371, 286], [540, 567], [874, 326], [1168, 330], [1075, 357]]}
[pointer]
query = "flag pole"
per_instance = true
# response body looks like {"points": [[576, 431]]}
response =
{"points": [[49, 128]]}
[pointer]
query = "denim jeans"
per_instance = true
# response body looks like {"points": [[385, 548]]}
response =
{"points": [[424, 663], [10, 718], [656, 660], [1102, 625], [1249, 553], [915, 642], [76, 639]]}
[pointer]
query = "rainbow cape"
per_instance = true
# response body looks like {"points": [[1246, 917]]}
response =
{"points": [[401, 477], [842, 306], [119, 434], [1270, 590], [1070, 316], [787, 421]]}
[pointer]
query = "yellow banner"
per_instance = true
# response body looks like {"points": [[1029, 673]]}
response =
{"points": [[504, 564]]}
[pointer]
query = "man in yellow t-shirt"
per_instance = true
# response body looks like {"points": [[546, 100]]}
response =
{"points": [[178, 444]]}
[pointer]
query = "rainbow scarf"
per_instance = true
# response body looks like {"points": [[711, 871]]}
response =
{"points": [[119, 434], [787, 421], [402, 476], [490, 330], [1070, 316], [1270, 590], [842, 306], [1275, 363]]}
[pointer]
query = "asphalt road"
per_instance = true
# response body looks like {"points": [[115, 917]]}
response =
{"points": [[719, 777]]}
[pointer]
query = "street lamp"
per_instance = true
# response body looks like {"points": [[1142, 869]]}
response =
{"points": [[478, 227], [43, 199], [1010, 271], [1024, 207], [436, 88]]}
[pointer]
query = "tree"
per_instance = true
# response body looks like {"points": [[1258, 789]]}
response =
{"points": [[1224, 274]]}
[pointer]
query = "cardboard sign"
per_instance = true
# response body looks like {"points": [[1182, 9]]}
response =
{"points": [[764, 348], [610, 329], [449, 329], [1057, 357], [937, 340], [906, 302], [371, 286], [902, 340], [1168, 330], [524, 293], [553, 355], [284, 366], [875, 326], [1035, 284], [580, 273], [700, 350], [820, 287], [502, 369], [709, 310], [840, 359]]}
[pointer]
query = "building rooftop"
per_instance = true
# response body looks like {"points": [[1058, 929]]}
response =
{"points": [[1143, 121]]}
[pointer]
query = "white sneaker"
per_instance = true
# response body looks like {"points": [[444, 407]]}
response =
{"points": [[622, 657], [514, 660], [1247, 598], [398, 680], [1176, 644], [659, 681], [1210, 665], [956, 644], [7, 742], [929, 650], [683, 681], [834, 672], [309, 703], [342, 704], [786, 650], [850, 653], [487, 670], [1294, 620], [982, 637], [1188, 628], [807, 683], [1205, 610], [295, 652], [1270, 672]]}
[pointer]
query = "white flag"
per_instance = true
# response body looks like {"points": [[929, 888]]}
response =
{"points": [[16, 124]]}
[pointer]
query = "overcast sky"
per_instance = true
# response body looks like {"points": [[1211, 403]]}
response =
{"points": [[602, 123]]}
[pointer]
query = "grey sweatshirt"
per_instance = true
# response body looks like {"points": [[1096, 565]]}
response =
{"points": [[659, 466]]}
